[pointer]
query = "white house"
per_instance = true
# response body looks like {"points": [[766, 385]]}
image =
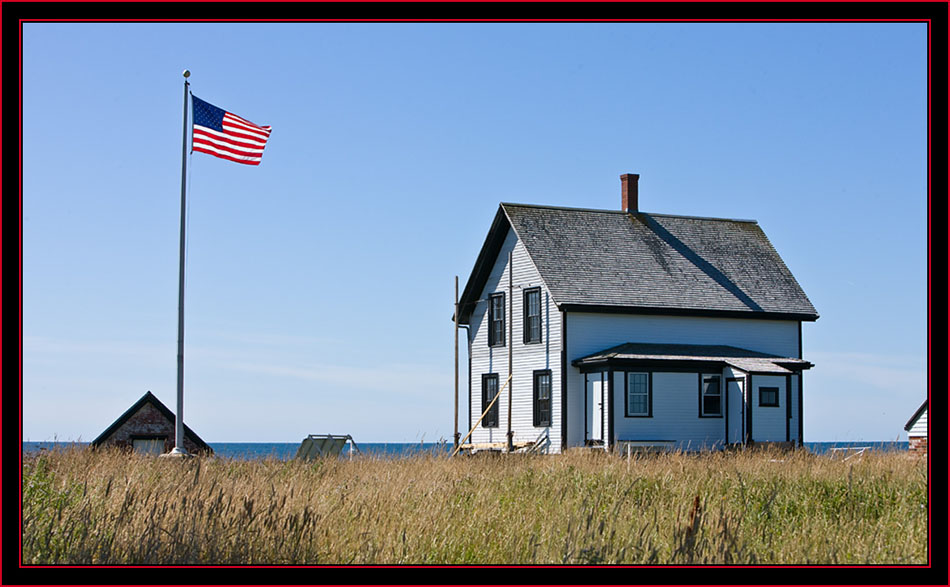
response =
{"points": [[916, 429], [619, 327]]}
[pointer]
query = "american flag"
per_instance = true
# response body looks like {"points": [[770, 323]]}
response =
{"points": [[225, 135]]}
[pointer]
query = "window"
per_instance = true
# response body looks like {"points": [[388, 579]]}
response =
{"points": [[711, 396], [638, 395], [532, 315], [768, 397], [496, 320], [148, 445], [489, 391], [542, 398]]}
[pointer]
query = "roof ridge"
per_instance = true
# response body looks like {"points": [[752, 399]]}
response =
{"points": [[608, 211]]}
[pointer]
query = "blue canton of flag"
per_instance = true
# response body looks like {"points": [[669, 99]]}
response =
{"points": [[225, 135]]}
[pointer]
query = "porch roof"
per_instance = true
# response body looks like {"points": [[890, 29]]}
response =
{"points": [[744, 359]]}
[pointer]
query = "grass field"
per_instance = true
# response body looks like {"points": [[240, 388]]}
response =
{"points": [[750, 507]]}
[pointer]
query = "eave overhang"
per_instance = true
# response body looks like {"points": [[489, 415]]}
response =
{"points": [[689, 358], [483, 266], [669, 311]]}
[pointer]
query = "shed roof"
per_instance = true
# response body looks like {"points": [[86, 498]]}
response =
{"points": [[744, 359], [154, 401], [606, 260]]}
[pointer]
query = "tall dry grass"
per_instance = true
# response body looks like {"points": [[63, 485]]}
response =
{"points": [[84, 507]]}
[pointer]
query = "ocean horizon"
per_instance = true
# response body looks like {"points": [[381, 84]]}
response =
{"points": [[288, 450]]}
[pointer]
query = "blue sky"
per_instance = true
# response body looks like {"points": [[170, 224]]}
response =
{"points": [[320, 284]]}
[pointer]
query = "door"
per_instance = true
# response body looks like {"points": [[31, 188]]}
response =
{"points": [[736, 401], [595, 408]]}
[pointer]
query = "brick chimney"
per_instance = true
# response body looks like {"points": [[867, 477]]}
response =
{"points": [[628, 193]]}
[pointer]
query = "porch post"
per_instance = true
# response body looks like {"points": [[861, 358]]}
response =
{"points": [[586, 419], [511, 342], [609, 439]]}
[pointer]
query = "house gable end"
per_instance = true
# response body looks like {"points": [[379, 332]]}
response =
{"points": [[487, 258]]}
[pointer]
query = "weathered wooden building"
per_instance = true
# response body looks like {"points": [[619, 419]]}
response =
{"points": [[149, 427], [916, 429], [625, 328]]}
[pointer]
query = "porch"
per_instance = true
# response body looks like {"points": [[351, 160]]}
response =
{"points": [[655, 397]]}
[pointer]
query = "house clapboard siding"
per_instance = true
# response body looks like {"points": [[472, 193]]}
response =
{"points": [[526, 358], [768, 422], [675, 397], [591, 332]]}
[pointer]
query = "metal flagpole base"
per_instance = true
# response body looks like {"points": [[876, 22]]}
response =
{"points": [[178, 453]]}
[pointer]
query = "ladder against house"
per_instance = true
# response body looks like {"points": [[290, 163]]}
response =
{"points": [[325, 445], [490, 446], [539, 444]]}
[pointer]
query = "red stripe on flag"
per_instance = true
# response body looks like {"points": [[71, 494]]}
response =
{"points": [[242, 131], [206, 146], [222, 156]]}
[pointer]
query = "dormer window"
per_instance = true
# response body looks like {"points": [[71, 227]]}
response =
{"points": [[496, 320]]}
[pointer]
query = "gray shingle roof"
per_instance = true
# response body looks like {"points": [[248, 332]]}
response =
{"points": [[747, 360], [654, 262]]}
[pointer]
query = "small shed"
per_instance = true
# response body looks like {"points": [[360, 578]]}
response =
{"points": [[916, 429], [148, 427]]}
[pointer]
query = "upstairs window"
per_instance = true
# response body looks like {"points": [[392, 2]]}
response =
{"points": [[532, 315], [496, 320], [710, 396], [489, 391], [542, 398], [768, 397]]}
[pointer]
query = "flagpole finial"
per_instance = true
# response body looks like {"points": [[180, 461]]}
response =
{"points": [[186, 73]]}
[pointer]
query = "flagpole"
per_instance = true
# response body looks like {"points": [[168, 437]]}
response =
{"points": [[179, 449]]}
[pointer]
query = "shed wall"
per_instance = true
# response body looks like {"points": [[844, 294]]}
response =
{"points": [[917, 435], [920, 426], [147, 421]]}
